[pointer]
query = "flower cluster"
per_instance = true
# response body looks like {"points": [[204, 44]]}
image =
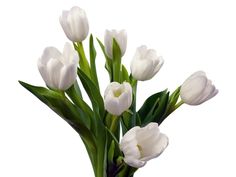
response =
{"points": [[101, 124]]}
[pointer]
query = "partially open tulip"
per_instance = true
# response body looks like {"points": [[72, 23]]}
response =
{"points": [[142, 144], [118, 97], [59, 70], [197, 89], [75, 24], [146, 63], [119, 36]]}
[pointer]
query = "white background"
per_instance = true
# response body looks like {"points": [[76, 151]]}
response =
{"points": [[191, 35]]}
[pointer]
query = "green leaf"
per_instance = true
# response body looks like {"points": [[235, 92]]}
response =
{"points": [[78, 101], [101, 140], [153, 108], [128, 121], [72, 114], [173, 99], [125, 75], [93, 93], [59, 103], [172, 103], [108, 64], [93, 54], [116, 61], [161, 109]]}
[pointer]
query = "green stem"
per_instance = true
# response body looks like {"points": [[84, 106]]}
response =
{"points": [[178, 105], [134, 85], [173, 109], [83, 62], [114, 124]]}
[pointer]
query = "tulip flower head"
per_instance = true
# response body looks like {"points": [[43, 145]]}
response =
{"points": [[118, 97], [142, 144], [197, 89], [59, 70], [75, 24], [146, 63], [121, 39]]}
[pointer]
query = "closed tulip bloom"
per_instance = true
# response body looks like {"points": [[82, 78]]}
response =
{"points": [[59, 70], [119, 36], [142, 144], [118, 97], [197, 89], [75, 24], [146, 63]]}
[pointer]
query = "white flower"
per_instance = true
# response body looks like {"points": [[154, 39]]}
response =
{"points": [[142, 144], [118, 97], [146, 63], [75, 24], [58, 70], [197, 89], [119, 36]]}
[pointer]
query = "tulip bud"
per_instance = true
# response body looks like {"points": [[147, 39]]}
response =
{"points": [[119, 36], [146, 63], [197, 89], [118, 98], [58, 70], [142, 144], [75, 24]]}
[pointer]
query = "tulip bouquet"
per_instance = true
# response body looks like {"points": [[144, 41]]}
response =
{"points": [[119, 138]]}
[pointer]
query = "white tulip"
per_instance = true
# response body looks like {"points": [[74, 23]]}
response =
{"points": [[118, 97], [58, 70], [142, 144], [146, 63], [121, 39], [197, 89], [75, 24]]}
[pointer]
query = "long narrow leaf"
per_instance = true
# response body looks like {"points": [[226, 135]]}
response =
{"points": [[93, 54], [108, 64], [93, 93], [116, 61], [73, 115], [153, 108]]}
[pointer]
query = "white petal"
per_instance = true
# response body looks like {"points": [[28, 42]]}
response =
{"points": [[142, 69], [124, 101], [75, 24], [108, 43], [145, 64], [112, 104], [67, 77], [157, 147], [196, 74], [66, 26], [192, 88], [44, 73], [111, 86], [54, 67], [159, 65], [133, 162], [151, 54], [208, 93], [197, 89], [48, 53], [122, 41], [144, 134], [69, 55], [130, 135], [141, 52]]}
